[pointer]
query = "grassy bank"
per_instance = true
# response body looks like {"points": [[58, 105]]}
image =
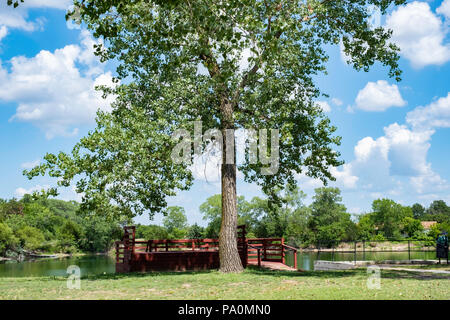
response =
{"points": [[252, 284], [443, 267]]}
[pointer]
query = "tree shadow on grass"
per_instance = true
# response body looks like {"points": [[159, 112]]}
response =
{"points": [[401, 274], [255, 271], [118, 276], [300, 273], [250, 270]]}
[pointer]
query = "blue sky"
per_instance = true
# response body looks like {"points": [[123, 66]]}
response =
{"points": [[395, 135]]}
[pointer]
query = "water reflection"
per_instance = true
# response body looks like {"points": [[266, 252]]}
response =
{"points": [[305, 260], [90, 265], [94, 265]]}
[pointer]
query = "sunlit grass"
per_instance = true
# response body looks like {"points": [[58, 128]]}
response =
{"points": [[252, 284]]}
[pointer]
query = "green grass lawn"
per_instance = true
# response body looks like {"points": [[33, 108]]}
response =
{"points": [[252, 284], [444, 267]]}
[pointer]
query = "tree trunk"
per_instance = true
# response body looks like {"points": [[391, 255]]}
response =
{"points": [[230, 260]]}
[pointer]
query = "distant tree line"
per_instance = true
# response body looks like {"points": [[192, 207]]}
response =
{"points": [[325, 221], [49, 225], [52, 226]]}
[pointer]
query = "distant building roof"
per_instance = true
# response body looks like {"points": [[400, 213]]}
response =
{"points": [[428, 224]]}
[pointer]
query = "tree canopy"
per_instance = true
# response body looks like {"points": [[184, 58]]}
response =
{"points": [[230, 64], [50, 225], [160, 46]]}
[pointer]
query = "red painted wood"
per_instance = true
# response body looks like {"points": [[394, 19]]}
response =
{"points": [[295, 260], [192, 254]]}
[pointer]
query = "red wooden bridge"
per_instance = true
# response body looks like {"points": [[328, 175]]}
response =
{"points": [[196, 254]]}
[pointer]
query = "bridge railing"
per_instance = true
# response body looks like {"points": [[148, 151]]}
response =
{"points": [[176, 245], [294, 251], [253, 249], [271, 249]]}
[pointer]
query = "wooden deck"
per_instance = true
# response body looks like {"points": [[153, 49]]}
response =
{"points": [[272, 265], [197, 254]]}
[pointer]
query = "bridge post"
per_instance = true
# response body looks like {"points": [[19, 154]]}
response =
{"points": [[265, 248], [295, 260]]}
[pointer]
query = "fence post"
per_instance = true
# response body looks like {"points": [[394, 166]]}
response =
{"points": [[295, 259], [364, 250], [265, 248], [126, 252], [332, 252], [355, 253], [259, 258], [283, 259], [318, 250], [409, 250]]}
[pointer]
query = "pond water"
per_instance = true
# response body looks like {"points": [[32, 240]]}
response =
{"points": [[95, 265], [89, 265], [306, 260]]}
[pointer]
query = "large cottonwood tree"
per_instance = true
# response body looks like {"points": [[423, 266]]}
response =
{"points": [[162, 46]]}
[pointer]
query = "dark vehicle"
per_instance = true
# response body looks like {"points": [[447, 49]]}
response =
{"points": [[442, 247]]}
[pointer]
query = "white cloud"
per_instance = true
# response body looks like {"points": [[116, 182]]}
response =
{"points": [[3, 32], [324, 106], [307, 182], [379, 96], [20, 192], [420, 34], [444, 9], [53, 4], [367, 148], [337, 102], [67, 194], [395, 164], [408, 150], [56, 90], [371, 164], [30, 165], [434, 115], [382, 164], [350, 109], [17, 18], [344, 177]]}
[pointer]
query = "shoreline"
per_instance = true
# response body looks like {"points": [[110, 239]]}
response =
{"points": [[378, 247], [45, 256], [351, 250]]}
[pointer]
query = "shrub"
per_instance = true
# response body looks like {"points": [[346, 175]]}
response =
{"points": [[378, 237], [195, 232], [151, 232], [99, 235], [7, 239], [30, 238], [438, 228]]}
